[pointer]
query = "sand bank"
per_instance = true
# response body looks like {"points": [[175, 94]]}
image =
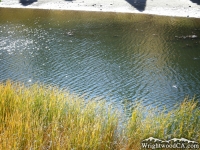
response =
{"points": [[179, 8]]}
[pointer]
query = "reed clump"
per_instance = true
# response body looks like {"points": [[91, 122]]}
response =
{"points": [[41, 117], [183, 122]]}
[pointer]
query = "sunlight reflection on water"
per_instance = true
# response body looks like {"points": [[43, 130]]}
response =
{"points": [[122, 58]]}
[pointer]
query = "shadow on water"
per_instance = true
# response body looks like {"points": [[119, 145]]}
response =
{"points": [[196, 1], [27, 2], [138, 4]]}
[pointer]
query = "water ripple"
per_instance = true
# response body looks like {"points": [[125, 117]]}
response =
{"points": [[137, 59]]}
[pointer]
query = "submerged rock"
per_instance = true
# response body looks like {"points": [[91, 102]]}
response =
{"points": [[187, 36], [193, 36]]}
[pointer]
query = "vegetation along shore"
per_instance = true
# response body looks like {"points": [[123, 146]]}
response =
{"points": [[45, 117]]}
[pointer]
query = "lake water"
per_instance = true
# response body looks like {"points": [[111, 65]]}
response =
{"points": [[123, 58]]}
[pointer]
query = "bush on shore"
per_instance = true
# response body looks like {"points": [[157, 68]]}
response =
{"points": [[44, 117]]}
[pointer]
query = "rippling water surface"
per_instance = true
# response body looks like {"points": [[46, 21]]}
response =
{"points": [[122, 58]]}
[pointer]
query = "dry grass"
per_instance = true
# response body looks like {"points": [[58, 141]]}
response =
{"points": [[40, 117], [183, 122]]}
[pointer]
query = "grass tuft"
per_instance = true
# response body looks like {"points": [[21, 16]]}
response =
{"points": [[183, 122], [44, 117]]}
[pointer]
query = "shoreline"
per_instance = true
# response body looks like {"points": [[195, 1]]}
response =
{"points": [[185, 8]]}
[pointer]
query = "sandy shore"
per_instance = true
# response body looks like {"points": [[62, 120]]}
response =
{"points": [[180, 8]]}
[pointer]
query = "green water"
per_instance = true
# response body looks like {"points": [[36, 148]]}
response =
{"points": [[122, 58]]}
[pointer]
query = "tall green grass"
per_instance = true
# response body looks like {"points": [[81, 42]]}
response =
{"points": [[41, 117]]}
